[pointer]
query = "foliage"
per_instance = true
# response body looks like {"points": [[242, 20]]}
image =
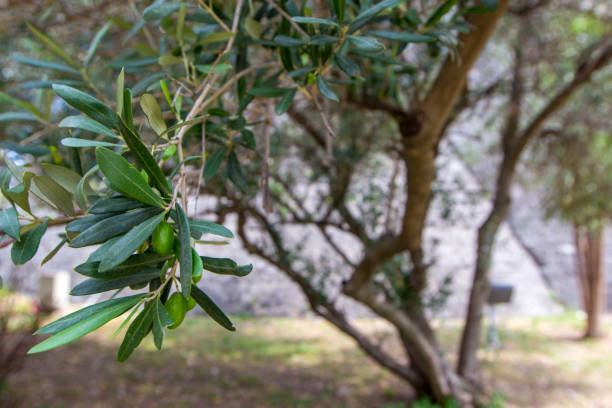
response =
{"points": [[575, 162], [212, 64]]}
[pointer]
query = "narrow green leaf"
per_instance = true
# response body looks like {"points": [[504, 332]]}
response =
{"points": [[184, 123], [168, 59], [365, 43], [286, 41], [214, 162], [347, 65], [145, 159], [119, 92], [87, 104], [63, 176], [285, 102], [56, 49], [114, 204], [82, 314], [44, 64], [175, 171], [126, 178], [86, 325], [180, 23], [339, 6], [24, 250], [34, 150], [19, 195], [9, 223], [5, 182], [128, 115], [91, 286], [402, 36], [440, 12], [80, 196], [225, 266], [322, 39], [136, 332], [267, 92], [218, 69], [113, 226], [76, 142], [95, 42], [161, 319], [216, 37], [313, 20], [326, 90], [132, 265], [82, 224], [160, 11], [17, 116], [235, 174], [207, 227], [166, 92], [130, 242], [253, 27], [185, 260], [54, 251], [57, 194], [154, 114], [100, 252], [22, 105], [247, 138], [48, 84], [207, 304], [373, 11]]}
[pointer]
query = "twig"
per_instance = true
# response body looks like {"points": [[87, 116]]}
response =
{"points": [[265, 168], [330, 134], [288, 18], [201, 172], [214, 15]]}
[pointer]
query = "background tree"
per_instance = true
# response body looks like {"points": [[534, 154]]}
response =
{"points": [[518, 132], [575, 173]]}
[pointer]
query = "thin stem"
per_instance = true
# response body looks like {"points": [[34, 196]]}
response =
{"points": [[288, 18]]}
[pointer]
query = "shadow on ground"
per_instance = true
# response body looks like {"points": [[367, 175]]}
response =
{"points": [[202, 366]]}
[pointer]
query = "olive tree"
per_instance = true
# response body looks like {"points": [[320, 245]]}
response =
{"points": [[215, 66], [199, 87]]}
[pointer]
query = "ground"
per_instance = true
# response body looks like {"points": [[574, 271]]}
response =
{"points": [[291, 362]]}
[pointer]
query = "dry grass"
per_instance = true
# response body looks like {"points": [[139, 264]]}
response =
{"points": [[303, 363]]}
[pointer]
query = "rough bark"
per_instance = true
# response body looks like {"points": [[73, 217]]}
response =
{"points": [[514, 143]]}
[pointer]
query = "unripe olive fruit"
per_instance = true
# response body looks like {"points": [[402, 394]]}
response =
{"points": [[196, 266], [191, 303], [163, 239], [176, 306]]}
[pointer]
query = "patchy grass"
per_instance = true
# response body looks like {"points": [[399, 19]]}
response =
{"points": [[284, 362]]}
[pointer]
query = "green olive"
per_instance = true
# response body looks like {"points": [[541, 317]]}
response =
{"points": [[191, 303], [163, 239], [196, 266], [176, 306]]}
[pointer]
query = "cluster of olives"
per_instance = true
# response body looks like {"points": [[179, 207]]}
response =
{"points": [[164, 243]]}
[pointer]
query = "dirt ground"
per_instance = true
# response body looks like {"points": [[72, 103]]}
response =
{"points": [[285, 362]]}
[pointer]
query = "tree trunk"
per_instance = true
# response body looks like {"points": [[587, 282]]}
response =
{"points": [[589, 245], [514, 143]]}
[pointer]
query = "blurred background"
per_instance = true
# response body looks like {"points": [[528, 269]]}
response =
{"points": [[534, 353]]}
